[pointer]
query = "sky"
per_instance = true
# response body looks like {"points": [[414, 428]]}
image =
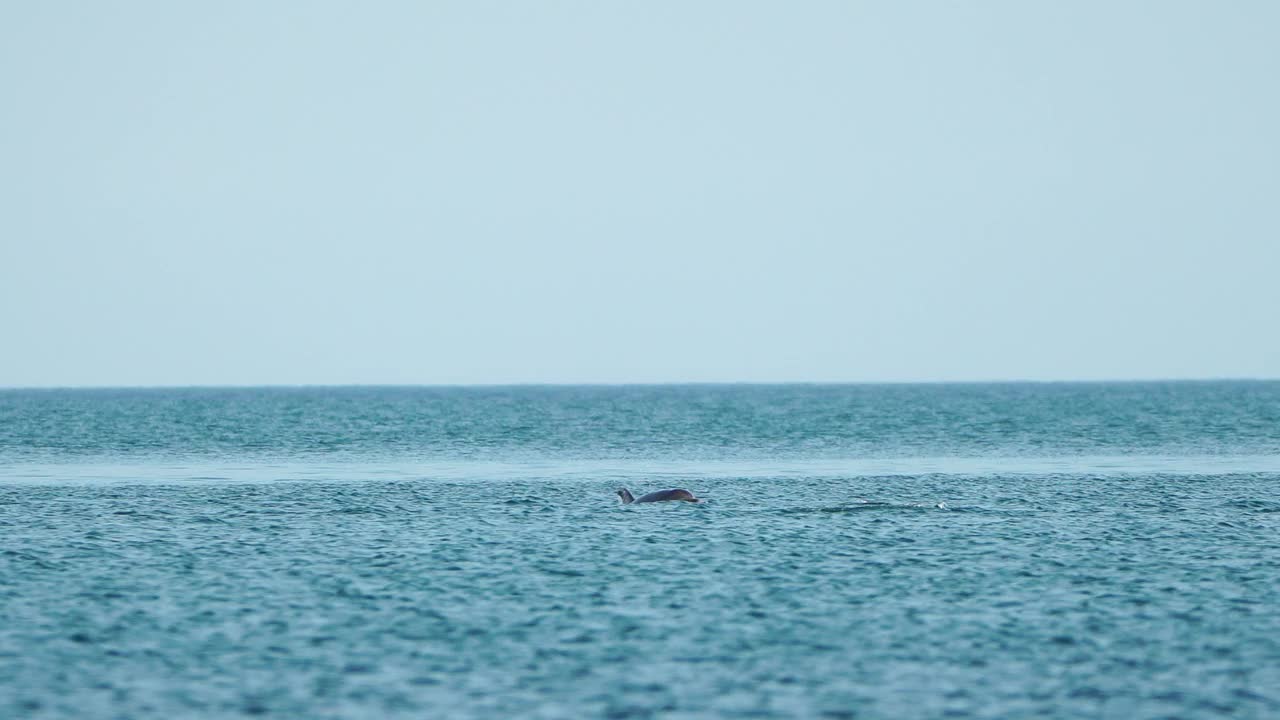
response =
{"points": [[249, 193]]}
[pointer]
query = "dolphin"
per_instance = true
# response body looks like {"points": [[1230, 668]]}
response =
{"points": [[659, 496]]}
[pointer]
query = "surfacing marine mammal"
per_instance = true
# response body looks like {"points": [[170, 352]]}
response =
{"points": [[659, 496]]}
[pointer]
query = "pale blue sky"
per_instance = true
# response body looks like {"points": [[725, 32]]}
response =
{"points": [[478, 192]]}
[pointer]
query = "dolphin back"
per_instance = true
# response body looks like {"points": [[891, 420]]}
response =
{"points": [[663, 495]]}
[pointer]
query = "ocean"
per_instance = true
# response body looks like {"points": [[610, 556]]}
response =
{"points": [[1059, 550]]}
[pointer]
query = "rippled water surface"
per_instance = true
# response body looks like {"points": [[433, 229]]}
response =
{"points": [[882, 552]]}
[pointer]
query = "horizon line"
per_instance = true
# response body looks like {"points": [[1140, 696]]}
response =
{"points": [[676, 383]]}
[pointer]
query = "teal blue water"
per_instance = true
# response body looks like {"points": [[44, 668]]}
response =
{"points": [[969, 551]]}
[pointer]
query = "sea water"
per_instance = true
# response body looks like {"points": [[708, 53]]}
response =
{"points": [[894, 551]]}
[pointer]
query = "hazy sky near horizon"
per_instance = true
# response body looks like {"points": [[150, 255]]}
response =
{"points": [[493, 192]]}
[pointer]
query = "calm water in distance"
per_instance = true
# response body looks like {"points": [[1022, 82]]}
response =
{"points": [[882, 551]]}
